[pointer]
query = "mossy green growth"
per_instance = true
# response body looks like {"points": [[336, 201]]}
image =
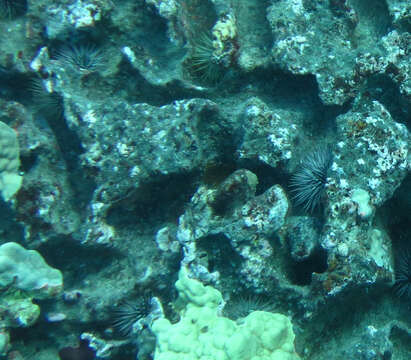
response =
{"points": [[27, 271], [10, 179], [24, 276], [202, 334], [21, 312]]}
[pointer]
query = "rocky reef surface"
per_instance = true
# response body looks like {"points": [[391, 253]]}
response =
{"points": [[260, 147]]}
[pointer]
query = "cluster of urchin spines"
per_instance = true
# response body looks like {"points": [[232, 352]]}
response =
{"points": [[128, 312], [402, 284], [82, 58], [202, 62], [308, 185], [11, 9], [309, 182]]}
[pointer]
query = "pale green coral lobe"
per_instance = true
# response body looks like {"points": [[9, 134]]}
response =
{"points": [[203, 334]]}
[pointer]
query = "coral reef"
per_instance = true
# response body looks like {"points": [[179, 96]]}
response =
{"points": [[258, 147], [203, 333]]}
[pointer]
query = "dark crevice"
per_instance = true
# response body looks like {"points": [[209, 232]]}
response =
{"points": [[401, 340], [374, 21], [341, 317], [219, 255], [67, 255], [283, 90], [395, 215], [11, 229], [71, 149], [156, 202], [139, 90], [386, 91], [48, 113], [12, 9], [267, 176], [14, 85], [27, 161], [151, 31], [300, 273]]}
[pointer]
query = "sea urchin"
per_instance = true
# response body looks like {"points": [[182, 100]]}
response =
{"points": [[309, 181]]}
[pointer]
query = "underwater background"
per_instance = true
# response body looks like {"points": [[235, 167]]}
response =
{"points": [[205, 179]]}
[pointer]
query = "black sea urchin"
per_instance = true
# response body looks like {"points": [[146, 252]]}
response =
{"points": [[10, 9], [127, 313], [403, 274], [83, 59], [203, 64], [309, 181]]}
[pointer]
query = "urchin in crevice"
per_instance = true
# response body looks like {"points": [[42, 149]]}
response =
{"points": [[308, 183], [202, 63], [128, 313], [48, 103], [402, 286], [243, 305], [11, 9], [82, 58]]}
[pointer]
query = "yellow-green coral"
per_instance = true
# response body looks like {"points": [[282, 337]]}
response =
{"points": [[202, 334]]}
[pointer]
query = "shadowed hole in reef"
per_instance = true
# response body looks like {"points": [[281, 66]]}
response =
{"points": [[151, 22], [297, 92], [10, 227], [386, 91], [214, 174], [395, 215], [374, 21], [136, 89], [341, 316], [401, 340], [13, 85], [154, 202], [218, 255], [267, 176], [48, 113], [241, 305], [12, 9], [27, 340], [300, 272], [71, 257]]}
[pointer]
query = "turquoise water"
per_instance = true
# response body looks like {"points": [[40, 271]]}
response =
{"points": [[205, 179]]}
